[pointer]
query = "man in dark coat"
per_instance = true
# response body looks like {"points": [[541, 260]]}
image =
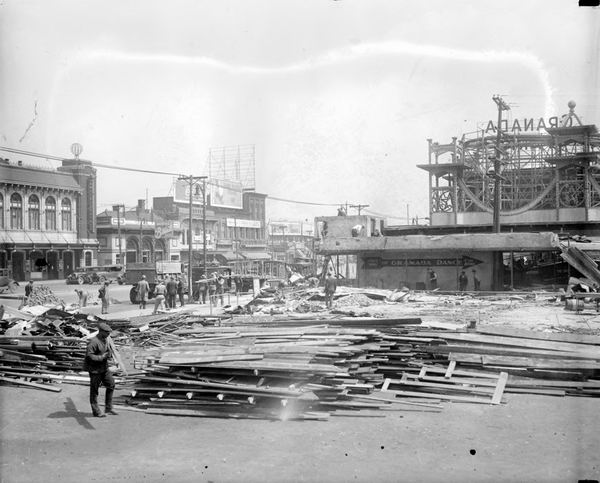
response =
{"points": [[96, 363], [180, 292], [171, 293]]}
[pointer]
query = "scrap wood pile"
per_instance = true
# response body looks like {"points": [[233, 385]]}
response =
{"points": [[292, 369], [157, 330], [49, 347], [42, 295]]}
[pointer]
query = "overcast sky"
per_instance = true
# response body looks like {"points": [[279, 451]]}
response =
{"points": [[338, 97]]}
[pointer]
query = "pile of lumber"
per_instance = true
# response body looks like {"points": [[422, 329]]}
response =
{"points": [[47, 348], [537, 362], [288, 368], [267, 372]]}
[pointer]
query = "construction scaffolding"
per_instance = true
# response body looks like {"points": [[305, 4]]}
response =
{"points": [[550, 170]]}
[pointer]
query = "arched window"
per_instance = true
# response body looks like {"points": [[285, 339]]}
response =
{"points": [[1, 211], [50, 213], [65, 211], [34, 212], [16, 212]]}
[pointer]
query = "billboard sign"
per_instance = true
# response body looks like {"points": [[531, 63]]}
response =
{"points": [[182, 192], [226, 194], [240, 223]]}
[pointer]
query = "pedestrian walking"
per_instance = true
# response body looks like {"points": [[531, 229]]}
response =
{"points": [[159, 299], [96, 363], [104, 298], [142, 291], [330, 287], [171, 293]]}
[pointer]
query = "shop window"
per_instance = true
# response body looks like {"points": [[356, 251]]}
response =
{"points": [[50, 213], [16, 212], [65, 210], [1, 211], [34, 212]]}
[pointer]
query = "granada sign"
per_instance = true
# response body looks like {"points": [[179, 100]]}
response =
{"points": [[521, 125]]}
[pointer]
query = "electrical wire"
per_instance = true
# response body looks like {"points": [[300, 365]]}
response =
{"points": [[303, 202], [149, 171]]}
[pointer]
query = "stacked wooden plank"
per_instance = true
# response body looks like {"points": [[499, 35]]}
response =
{"points": [[536, 362], [306, 371]]}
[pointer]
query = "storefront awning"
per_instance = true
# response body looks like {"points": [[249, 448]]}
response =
{"points": [[230, 256]]}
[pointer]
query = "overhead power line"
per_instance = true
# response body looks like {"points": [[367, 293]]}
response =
{"points": [[148, 171], [303, 202]]}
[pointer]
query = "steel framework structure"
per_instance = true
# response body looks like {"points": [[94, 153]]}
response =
{"points": [[544, 171], [233, 163]]}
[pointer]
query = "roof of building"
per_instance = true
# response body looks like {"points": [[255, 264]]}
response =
{"points": [[472, 241], [30, 176]]}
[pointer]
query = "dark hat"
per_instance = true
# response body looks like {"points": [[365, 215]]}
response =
{"points": [[104, 327]]}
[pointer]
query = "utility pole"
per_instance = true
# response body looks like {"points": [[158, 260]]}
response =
{"points": [[117, 208], [497, 265], [359, 207], [142, 220], [191, 180], [502, 106]]}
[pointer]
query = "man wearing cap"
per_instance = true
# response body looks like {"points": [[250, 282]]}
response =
{"points": [[142, 289], [96, 363]]}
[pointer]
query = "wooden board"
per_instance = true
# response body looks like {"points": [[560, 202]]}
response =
{"points": [[530, 334]]}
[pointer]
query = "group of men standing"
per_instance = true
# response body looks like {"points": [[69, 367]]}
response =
{"points": [[463, 280], [165, 294], [214, 287]]}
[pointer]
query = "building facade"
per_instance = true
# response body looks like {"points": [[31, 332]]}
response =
{"points": [[47, 219], [129, 235], [235, 226]]}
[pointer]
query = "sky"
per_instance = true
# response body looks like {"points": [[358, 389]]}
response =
{"points": [[338, 97]]}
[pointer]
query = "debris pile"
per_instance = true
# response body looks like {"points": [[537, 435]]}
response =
{"points": [[47, 347], [42, 295], [294, 368]]}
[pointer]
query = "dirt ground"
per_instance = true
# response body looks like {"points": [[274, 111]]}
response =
{"points": [[53, 437]]}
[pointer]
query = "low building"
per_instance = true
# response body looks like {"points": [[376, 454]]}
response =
{"points": [[47, 219], [128, 235], [234, 221]]}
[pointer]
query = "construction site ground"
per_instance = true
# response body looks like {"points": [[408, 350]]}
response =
{"points": [[53, 436]]}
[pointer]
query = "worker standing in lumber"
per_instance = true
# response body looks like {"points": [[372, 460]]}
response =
{"points": [[28, 290], [103, 294], [96, 363], [432, 279], [330, 287], [142, 291], [171, 293], [463, 281], [159, 300], [180, 292], [220, 288], [82, 296], [476, 281]]}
